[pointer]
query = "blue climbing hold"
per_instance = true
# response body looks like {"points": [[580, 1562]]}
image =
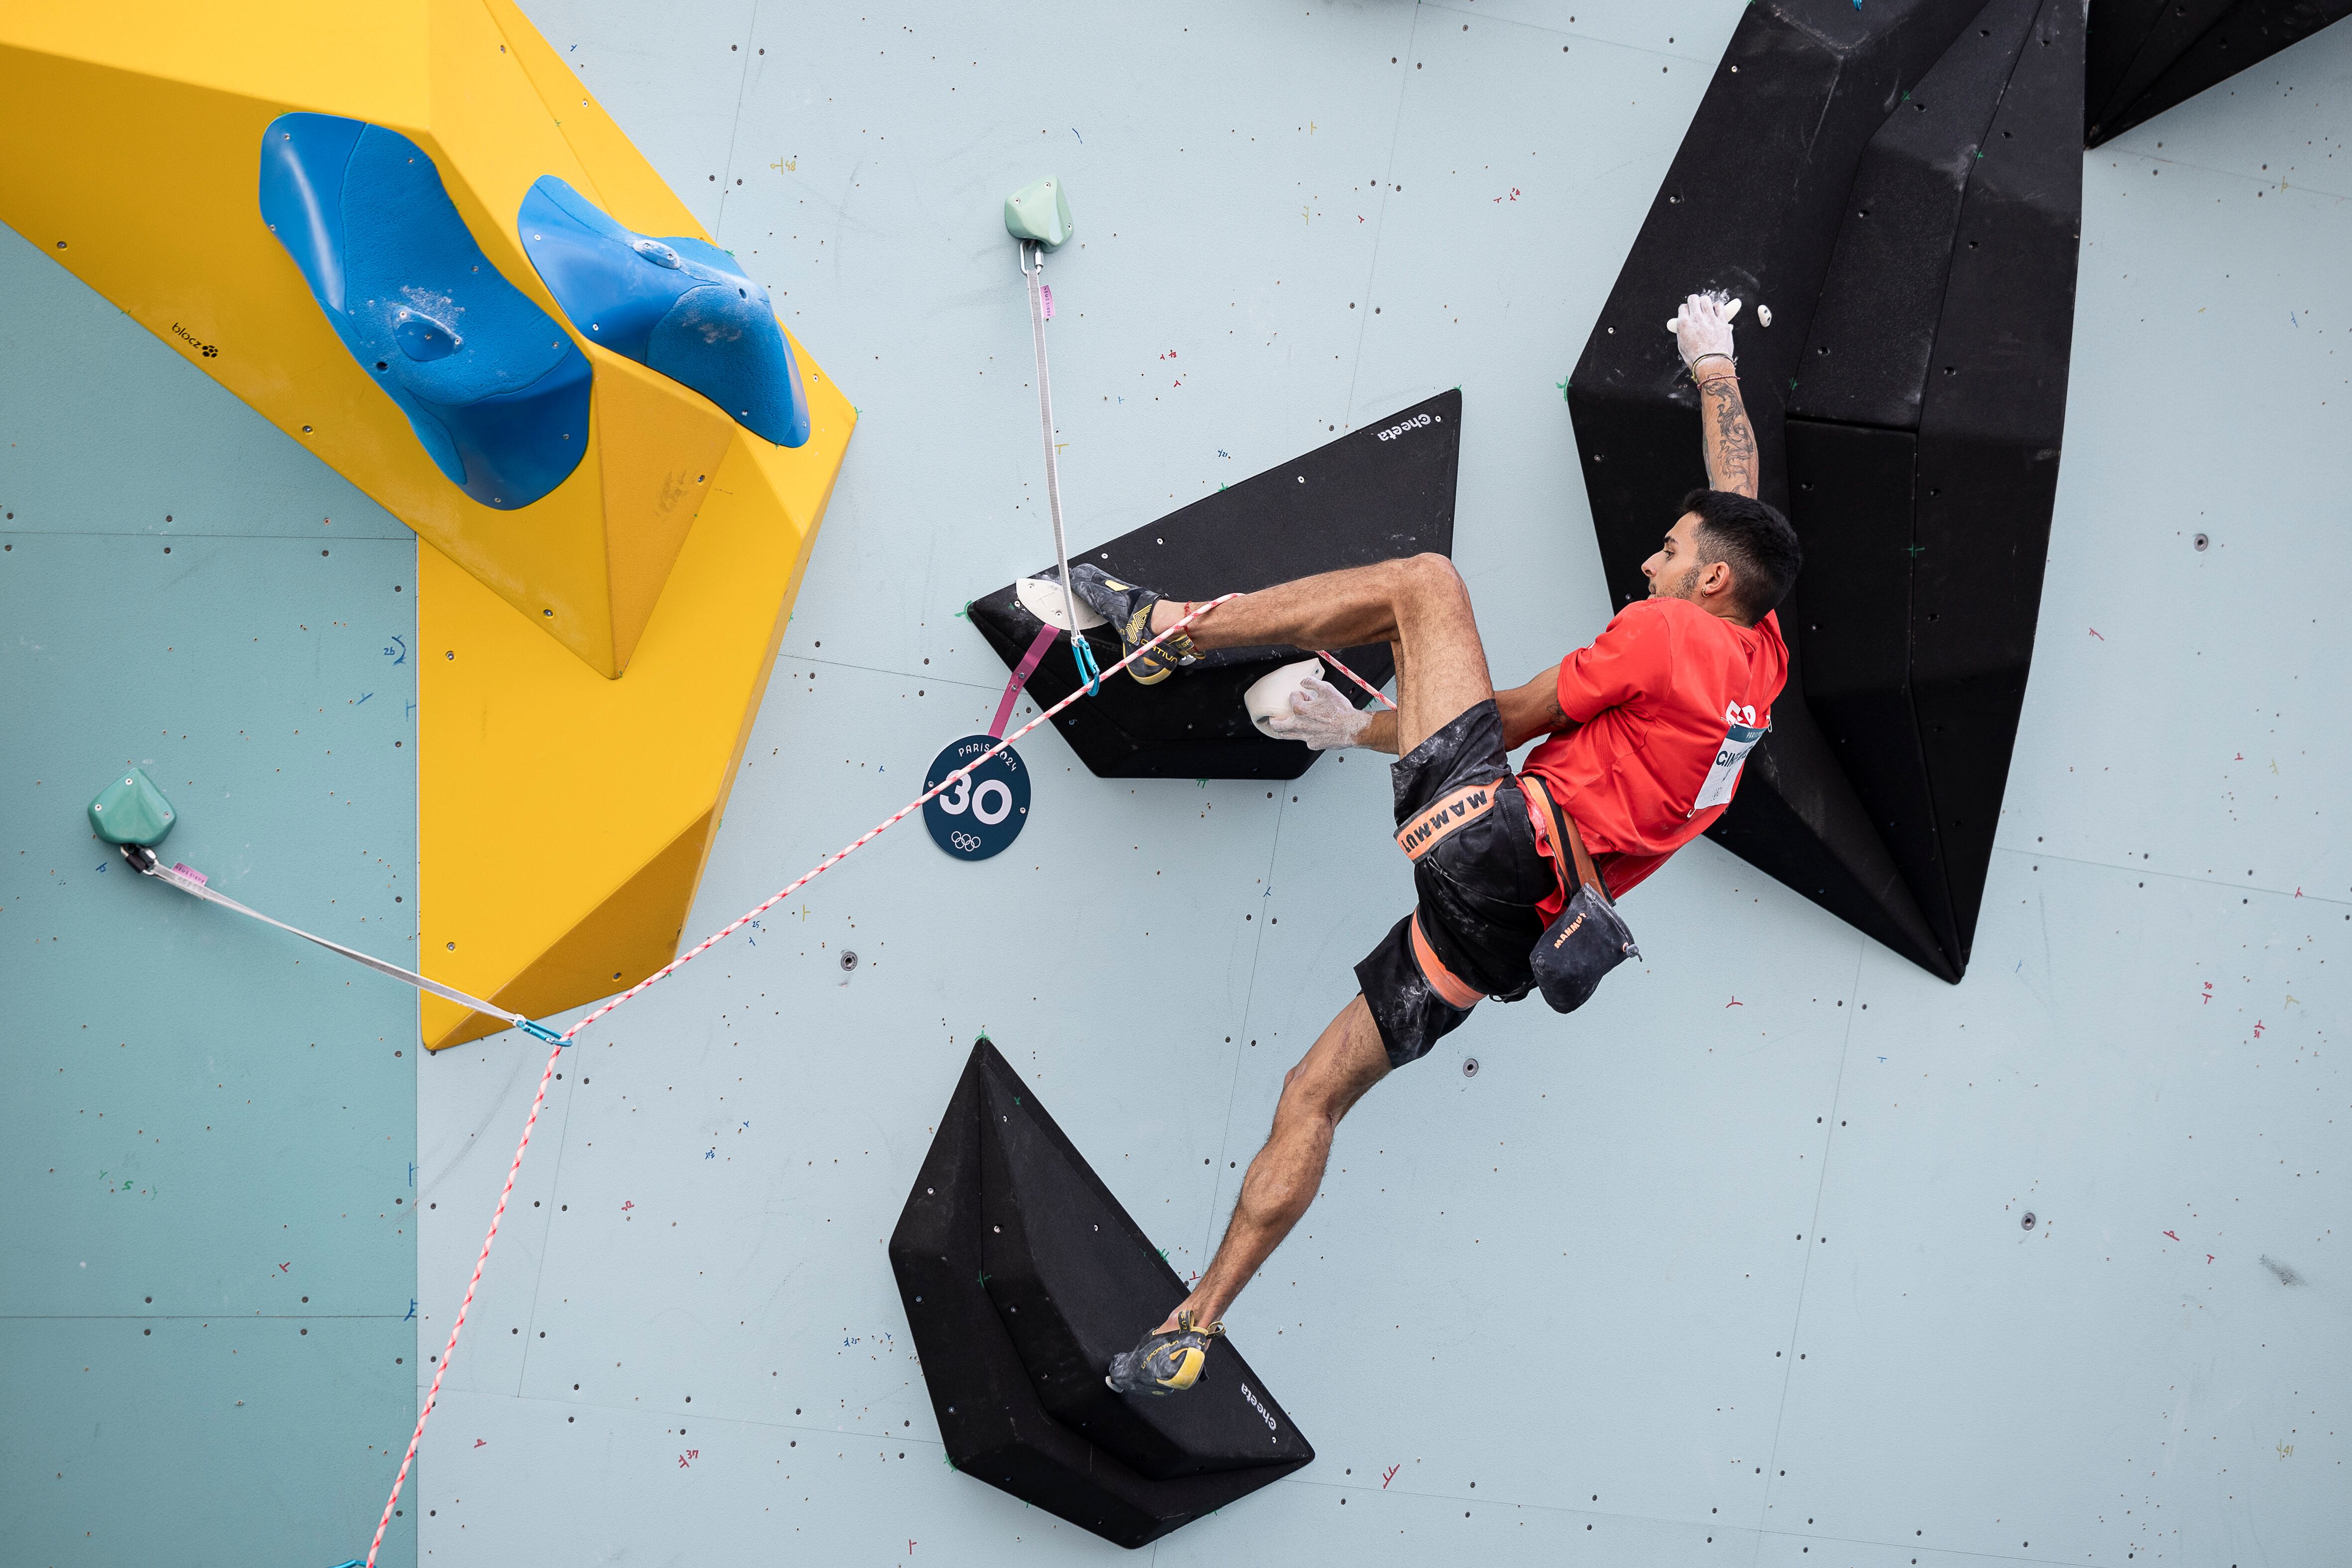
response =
{"points": [[497, 393], [679, 306]]}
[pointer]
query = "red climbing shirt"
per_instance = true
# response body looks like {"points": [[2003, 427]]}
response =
{"points": [[1660, 696]]}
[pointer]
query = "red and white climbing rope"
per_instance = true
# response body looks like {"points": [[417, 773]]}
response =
{"points": [[1333, 661]]}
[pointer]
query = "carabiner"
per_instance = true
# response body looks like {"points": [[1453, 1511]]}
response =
{"points": [[539, 1031]]}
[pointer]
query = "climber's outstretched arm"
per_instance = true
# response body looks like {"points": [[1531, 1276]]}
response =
{"points": [[1703, 330]]}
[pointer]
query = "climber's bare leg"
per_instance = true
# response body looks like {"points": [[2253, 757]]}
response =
{"points": [[1348, 1059], [1417, 606]]}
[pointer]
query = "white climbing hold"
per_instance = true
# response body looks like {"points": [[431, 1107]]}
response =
{"points": [[1730, 309], [1270, 694], [1043, 598]]}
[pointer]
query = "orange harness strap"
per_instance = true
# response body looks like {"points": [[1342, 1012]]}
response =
{"points": [[1568, 854], [1456, 810], [1417, 838], [1455, 990]]}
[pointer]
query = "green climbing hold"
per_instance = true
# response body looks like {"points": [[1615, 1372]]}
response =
{"points": [[132, 810], [1039, 211]]}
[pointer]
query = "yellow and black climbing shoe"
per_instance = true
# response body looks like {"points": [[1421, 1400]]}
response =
{"points": [[1129, 608], [1164, 1363]]}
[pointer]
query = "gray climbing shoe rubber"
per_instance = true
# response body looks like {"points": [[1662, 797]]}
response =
{"points": [[1164, 1363]]}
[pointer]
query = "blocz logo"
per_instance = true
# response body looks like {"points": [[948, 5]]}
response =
{"points": [[1259, 1408], [207, 350]]}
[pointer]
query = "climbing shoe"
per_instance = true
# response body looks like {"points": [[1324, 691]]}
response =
{"points": [[1164, 1363], [1129, 609]]}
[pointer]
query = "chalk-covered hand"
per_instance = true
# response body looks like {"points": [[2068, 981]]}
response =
{"points": [[1320, 716], [1703, 327]]}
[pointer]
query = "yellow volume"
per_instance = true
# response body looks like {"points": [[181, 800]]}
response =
{"points": [[572, 766]]}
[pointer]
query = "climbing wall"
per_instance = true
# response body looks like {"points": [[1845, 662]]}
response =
{"points": [[1736, 1260], [208, 1130]]}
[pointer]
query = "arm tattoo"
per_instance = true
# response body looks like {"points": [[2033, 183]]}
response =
{"points": [[1731, 461]]}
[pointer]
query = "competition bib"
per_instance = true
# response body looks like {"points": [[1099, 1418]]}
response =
{"points": [[1739, 739]]}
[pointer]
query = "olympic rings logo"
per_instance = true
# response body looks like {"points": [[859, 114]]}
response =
{"points": [[968, 842]]}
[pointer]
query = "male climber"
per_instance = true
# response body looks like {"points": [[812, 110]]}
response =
{"points": [[1642, 734]]}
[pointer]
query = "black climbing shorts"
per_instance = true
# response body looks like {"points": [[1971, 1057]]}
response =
{"points": [[1478, 877]]}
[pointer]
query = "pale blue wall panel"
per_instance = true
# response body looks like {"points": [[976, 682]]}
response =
{"points": [[209, 1126], [203, 1440], [110, 429]]}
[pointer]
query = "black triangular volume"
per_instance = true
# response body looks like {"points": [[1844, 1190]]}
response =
{"points": [[1908, 399], [2149, 54], [1021, 1275], [1923, 444], [1381, 493]]}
